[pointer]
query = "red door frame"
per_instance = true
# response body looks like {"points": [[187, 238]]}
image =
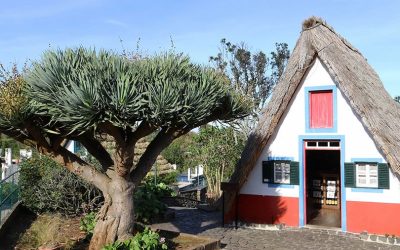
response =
{"points": [[305, 176]]}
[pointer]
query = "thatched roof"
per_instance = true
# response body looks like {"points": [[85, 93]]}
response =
{"points": [[163, 166], [352, 74]]}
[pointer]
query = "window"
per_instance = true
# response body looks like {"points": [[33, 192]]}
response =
{"points": [[367, 175], [282, 172], [322, 145], [321, 109]]}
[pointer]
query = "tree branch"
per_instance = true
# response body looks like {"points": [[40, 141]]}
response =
{"points": [[124, 148], [109, 128], [36, 134], [144, 129], [79, 167], [61, 155], [95, 148], [26, 140], [156, 146], [55, 141]]}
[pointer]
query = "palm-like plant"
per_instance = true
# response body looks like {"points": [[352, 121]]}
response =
{"points": [[80, 94]]}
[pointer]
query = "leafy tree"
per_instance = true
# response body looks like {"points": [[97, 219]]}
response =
{"points": [[397, 99], [84, 95], [5, 141], [176, 153], [252, 74], [217, 150]]}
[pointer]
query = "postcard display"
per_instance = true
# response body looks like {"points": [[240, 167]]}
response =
{"points": [[325, 192]]}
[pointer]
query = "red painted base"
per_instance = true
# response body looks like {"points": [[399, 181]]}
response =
{"points": [[267, 210], [373, 217]]}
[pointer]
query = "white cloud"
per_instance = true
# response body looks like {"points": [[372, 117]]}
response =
{"points": [[116, 23]]}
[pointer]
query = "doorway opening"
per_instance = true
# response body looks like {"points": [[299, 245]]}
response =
{"points": [[323, 183]]}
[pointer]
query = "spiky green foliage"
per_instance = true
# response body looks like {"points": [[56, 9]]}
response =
{"points": [[80, 88], [98, 98]]}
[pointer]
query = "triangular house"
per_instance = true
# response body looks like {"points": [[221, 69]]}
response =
{"points": [[327, 148]]}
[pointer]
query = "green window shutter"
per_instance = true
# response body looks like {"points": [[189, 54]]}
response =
{"points": [[294, 173], [349, 174], [268, 171], [383, 176]]}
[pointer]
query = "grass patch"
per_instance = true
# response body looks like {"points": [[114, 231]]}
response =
{"points": [[51, 231]]}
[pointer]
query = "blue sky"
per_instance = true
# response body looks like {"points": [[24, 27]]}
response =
{"points": [[196, 27]]}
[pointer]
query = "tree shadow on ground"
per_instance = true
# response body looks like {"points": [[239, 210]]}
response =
{"points": [[15, 227], [191, 220]]}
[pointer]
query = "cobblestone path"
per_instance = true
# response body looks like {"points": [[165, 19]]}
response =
{"points": [[208, 224]]}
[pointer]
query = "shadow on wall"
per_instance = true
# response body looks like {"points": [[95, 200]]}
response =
{"points": [[262, 209]]}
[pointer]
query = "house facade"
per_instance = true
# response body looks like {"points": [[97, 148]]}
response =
{"points": [[321, 155]]}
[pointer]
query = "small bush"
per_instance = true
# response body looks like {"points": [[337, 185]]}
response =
{"points": [[8, 190], [147, 239], [148, 201], [168, 179], [46, 186], [87, 223]]}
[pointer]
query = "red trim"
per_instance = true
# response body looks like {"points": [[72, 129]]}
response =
{"points": [[305, 174], [269, 209], [305, 183], [373, 217], [322, 149]]}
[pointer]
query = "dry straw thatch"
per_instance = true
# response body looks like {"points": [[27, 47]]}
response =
{"points": [[352, 74], [163, 166]]}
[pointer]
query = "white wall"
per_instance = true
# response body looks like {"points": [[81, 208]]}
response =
{"points": [[285, 142], [70, 146]]}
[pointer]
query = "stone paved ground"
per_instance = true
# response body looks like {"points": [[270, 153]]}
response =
{"points": [[208, 224]]}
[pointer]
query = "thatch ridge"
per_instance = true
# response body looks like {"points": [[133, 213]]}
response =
{"points": [[352, 74]]}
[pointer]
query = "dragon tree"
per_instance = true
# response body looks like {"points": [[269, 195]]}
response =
{"points": [[83, 95]]}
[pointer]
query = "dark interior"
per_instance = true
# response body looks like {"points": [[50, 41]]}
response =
{"points": [[323, 187]]}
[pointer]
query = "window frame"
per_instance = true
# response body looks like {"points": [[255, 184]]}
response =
{"points": [[307, 91], [383, 175], [367, 174], [268, 167], [283, 173]]}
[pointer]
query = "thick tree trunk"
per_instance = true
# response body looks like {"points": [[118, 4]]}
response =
{"points": [[115, 219]]}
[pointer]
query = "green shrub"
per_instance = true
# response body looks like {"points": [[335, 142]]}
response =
{"points": [[6, 189], [147, 239], [87, 223], [168, 179], [148, 201], [46, 186], [160, 190]]}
